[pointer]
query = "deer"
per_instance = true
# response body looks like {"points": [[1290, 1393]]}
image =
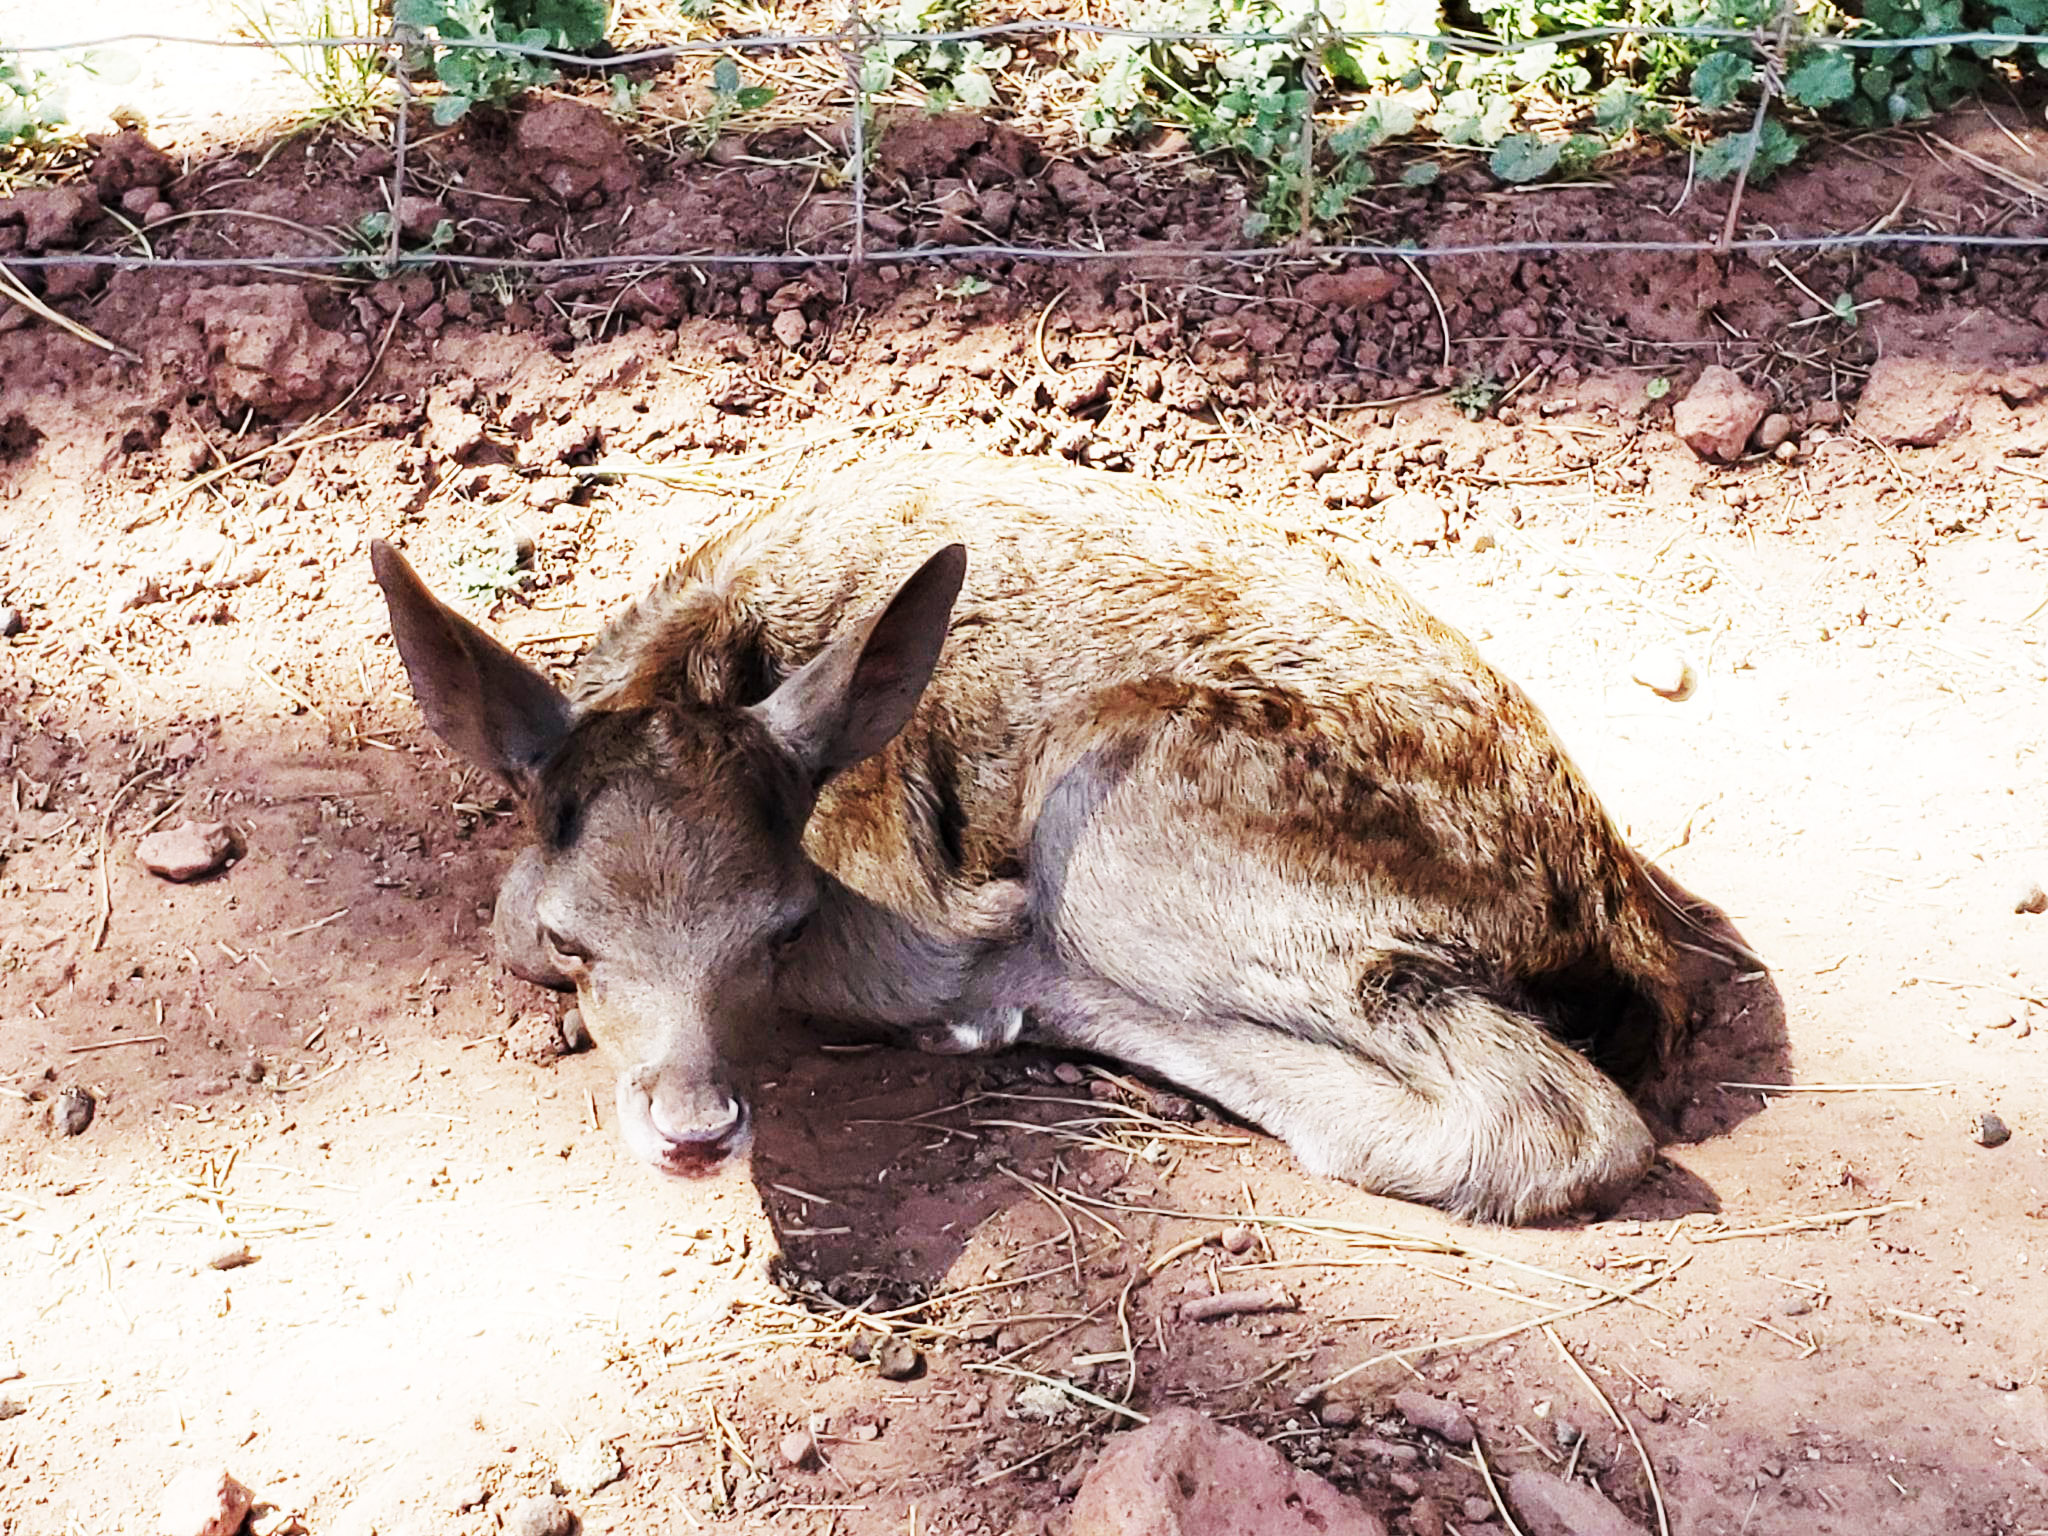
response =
{"points": [[966, 753]]}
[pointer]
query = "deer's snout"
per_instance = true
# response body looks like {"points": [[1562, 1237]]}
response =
{"points": [[689, 1130]]}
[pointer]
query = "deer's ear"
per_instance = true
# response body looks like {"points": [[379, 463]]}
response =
{"points": [[850, 700], [486, 703]]}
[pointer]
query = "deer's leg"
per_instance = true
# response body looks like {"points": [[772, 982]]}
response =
{"points": [[1463, 1104], [1195, 912]]}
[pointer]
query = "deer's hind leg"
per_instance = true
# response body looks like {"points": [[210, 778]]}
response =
{"points": [[1175, 928]]}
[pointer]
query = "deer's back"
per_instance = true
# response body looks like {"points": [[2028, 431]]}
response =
{"points": [[1084, 586]]}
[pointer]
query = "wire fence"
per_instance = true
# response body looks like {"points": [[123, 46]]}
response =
{"points": [[1774, 44]]}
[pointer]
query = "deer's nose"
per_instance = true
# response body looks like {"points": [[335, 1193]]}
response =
{"points": [[690, 1133]]}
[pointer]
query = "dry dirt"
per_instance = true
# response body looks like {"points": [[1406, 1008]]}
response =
{"points": [[461, 1292]]}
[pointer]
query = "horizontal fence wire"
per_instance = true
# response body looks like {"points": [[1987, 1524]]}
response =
{"points": [[1774, 42], [749, 41]]}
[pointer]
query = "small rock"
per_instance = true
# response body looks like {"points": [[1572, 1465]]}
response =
{"points": [[192, 850], [791, 327], [1566, 1434], [1435, 1415], [11, 1409], [73, 1111], [574, 1032], [230, 1256], [1237, 1239], [11, 623], [1913, 402], [2031, 901], [797, 1448], [1066, 1072], [1547, 1505], [202, 1501], [1076, 391], [1718, 414], [592, 1465], [864, 1434], [1412, 518], [897, 1360], [542, 1515], [1338, 1415], [419, 217], [1794, 1306], [1664, 671], [1653, 1406], [536, 1037], [1477, 1509], [1773, 430], [1185, 1475], [1988, 1130]]}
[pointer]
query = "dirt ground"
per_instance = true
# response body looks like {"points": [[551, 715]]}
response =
{"points": [[1821, 1313]]}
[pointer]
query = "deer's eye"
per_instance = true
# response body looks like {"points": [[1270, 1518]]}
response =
{"points": [[566, 950], [790, 932]]}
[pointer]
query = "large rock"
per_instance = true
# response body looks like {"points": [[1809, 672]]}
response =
{"points": [[1184, 1475], [1717, 415], [1547, 1505], [267, 350], [576, 151], [203, 1501], [1910, 402]]}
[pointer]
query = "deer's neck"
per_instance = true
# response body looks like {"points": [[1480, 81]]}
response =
{"points": [[862, 962]]}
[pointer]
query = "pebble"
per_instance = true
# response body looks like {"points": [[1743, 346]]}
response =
{"points": [[231, 1256], [1987, 1130], [1066, 1072], [592, 1465], [897, 1360], [1772, 431], [1566, 1434], [202, 1501], [1478, 1509], [1237, 1239], [191, 850], [1664, 671], [1434, 1415], [2031, 901], [74, 1111], [542, 1515], [1338, 1415], [1402, 1482], [11, 623], [1549, 1506], [864, 1434], [575, 1033], [797, 1448], [1794, 1306], [1652, 1406], [11, 1409]]}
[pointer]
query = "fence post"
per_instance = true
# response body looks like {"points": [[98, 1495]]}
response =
{"points": [[853, 52], [398, 39], [1773, 76]]}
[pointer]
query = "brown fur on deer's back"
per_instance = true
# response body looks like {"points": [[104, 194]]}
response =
{"points": [[1095, 602]]}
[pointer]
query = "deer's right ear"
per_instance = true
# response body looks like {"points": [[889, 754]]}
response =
{"points": [[482, 700]]}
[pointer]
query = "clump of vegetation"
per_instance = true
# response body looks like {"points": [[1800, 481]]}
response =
{"points": [[348, 85], [1303, 112], [31, 120], [462, 43], [950, 73]]}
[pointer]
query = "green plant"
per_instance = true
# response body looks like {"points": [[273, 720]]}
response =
{"points": [[484, 572], [367, 246], [347, 84], [486, 76], [729, 98], [30, 118], [1476, 393], [948, 72]]}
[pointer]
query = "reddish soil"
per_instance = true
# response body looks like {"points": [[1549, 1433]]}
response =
{"points": [[462, 1292]]}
